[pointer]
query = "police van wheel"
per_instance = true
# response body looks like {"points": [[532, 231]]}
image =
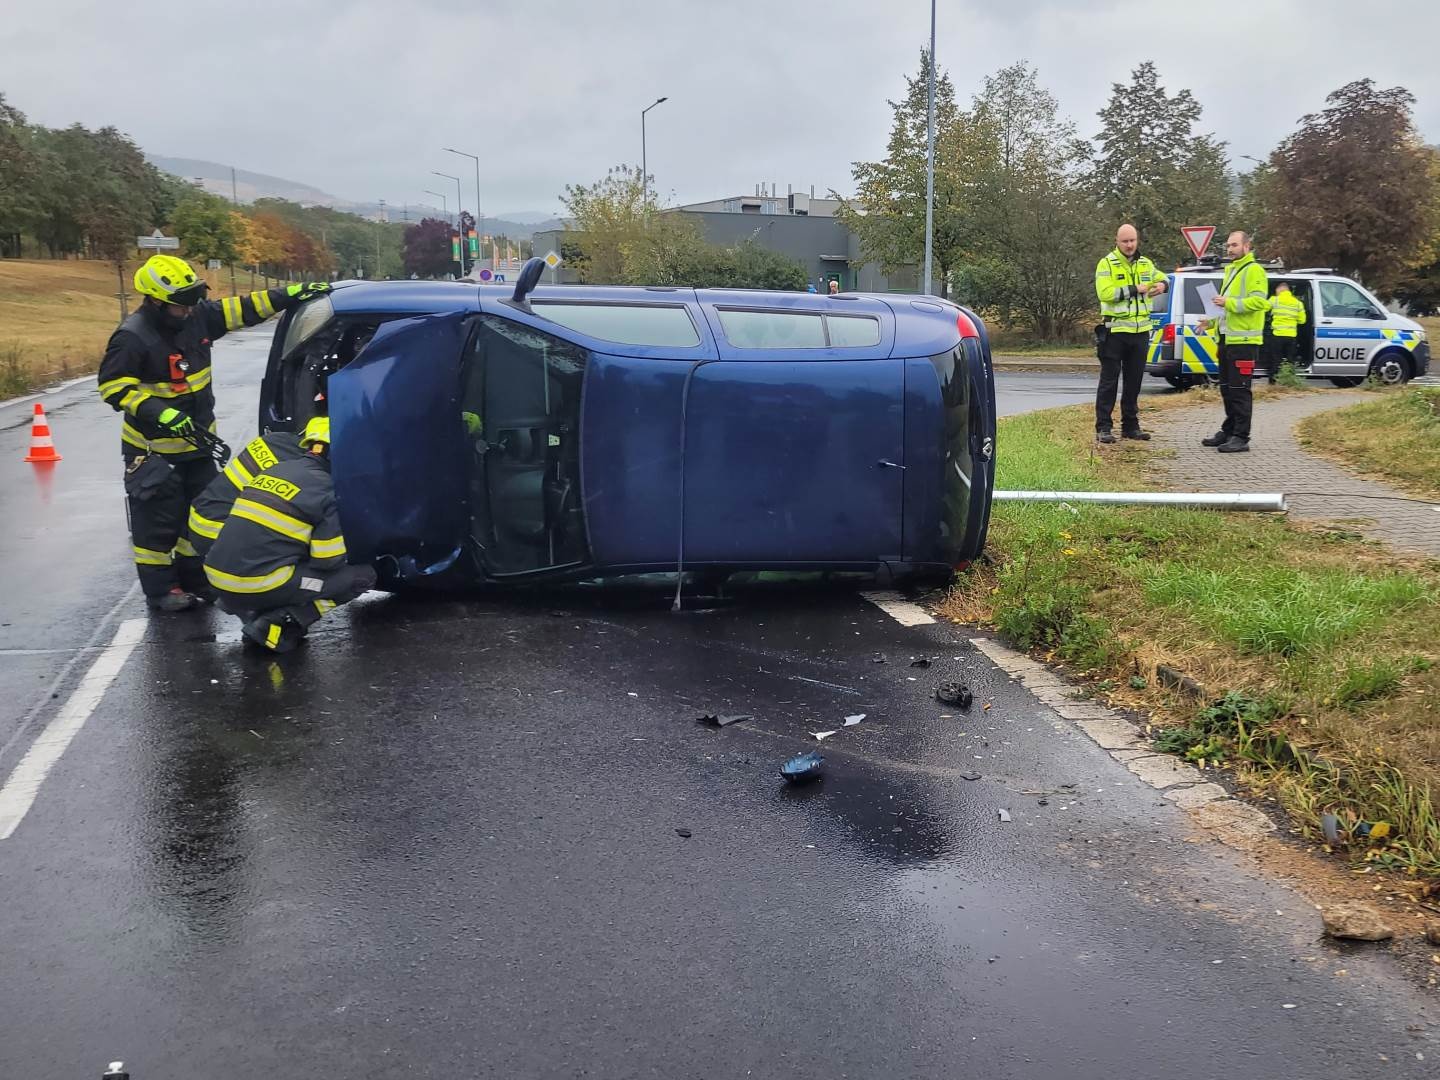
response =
{"points": [[1390, 369]]}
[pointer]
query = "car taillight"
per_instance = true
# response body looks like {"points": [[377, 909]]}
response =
{"points": [[967, 327], [1167, 336]]}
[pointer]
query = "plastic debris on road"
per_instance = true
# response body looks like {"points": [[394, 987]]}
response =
{"points": [[1004, 814], [802, 767], [1330, 826], [821, 736], [851, 721], [717, 720], [957, 694], [921, 661], [684, 834]]}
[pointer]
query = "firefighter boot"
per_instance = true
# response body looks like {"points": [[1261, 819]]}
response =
{"points": [[177, 599], [273, 635]]}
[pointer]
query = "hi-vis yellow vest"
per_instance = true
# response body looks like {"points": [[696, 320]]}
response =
{"points": [[1114, 277], [1286, 313]]}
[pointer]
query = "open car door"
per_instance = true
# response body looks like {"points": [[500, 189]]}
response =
{"points": [[398, 441]]}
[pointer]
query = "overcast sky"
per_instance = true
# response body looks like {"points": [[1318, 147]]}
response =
{"points": [[358, 97]]}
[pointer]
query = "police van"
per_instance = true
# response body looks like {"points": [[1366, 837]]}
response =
{"points": [[1347, 336]]}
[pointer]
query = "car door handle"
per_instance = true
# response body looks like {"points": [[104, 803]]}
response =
{"points": [[883, 464], [1326, 322]]}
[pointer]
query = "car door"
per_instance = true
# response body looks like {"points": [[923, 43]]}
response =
{"points": [[398, 447], [793, 440], [1348, 325]]}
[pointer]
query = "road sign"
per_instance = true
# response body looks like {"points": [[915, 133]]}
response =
{"points": [[552, 260], [486, 275], [158, 241], [212, 264], [1198, 237]]}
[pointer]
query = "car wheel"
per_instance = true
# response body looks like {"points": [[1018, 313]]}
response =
{"points": [[1347, 382], [1179, 382], [1391, 368]]}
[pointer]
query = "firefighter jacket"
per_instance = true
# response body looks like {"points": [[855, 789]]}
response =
{"points": [[1287, 314], [212, 506], [150, 367], [1246, 291], [284, 518], [1118, 281]]}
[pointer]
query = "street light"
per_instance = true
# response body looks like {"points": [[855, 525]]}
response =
{"points": [[459, 213], [479, 217], [444, 204], [930, 156], [644, 160]]}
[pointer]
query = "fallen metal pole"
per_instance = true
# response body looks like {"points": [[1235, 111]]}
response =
{"points": [[1202, 499]]}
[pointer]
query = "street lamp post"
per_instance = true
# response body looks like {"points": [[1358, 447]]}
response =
{"points": [[459, 214], [444, 203], [644, 160], [930, 158], [479, 218]]}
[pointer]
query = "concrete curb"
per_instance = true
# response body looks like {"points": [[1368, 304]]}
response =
{"points": [[1176, 781]]}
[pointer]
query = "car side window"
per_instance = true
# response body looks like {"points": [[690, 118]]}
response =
{"points": [[852, 331], [1193, 304], [661, 325], [772, 329], [1342, 300]]}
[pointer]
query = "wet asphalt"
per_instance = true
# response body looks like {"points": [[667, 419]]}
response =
{"points": [[446, 840]]}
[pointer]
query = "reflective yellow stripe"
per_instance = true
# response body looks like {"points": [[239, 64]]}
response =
{"points": [[328, 548], [148, 557], [184, 548], [323, 606], [238, 475], [231, 307], [239, 584], [274, 520], [131, 399], [203, 526], [262, 304], [108, 388], [132, 435], [272, 635]]}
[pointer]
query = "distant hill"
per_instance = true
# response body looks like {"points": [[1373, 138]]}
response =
{"points": [[249, 186]]}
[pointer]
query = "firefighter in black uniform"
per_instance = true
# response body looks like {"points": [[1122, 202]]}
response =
{"points": [[212, 506], [279, 561], [157, 373]]}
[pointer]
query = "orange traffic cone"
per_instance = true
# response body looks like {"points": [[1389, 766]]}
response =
{"points": [[42, 446]]}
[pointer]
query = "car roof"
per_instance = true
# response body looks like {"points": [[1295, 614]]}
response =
{"points": [[916, 317]]}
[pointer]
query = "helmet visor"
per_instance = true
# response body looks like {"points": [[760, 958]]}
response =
{"points": [[190, 295]]}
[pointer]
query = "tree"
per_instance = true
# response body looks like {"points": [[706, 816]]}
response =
{"points": [[19, 178], [1354, 188], [1035, 233], [1154, 170], [206, 227], [887, 213], [611, 214], [426, 249]]}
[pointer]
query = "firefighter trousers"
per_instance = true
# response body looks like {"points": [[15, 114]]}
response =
{"points": [[307, 596], [158, 497]]}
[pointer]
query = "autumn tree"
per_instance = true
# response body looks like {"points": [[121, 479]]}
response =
{"points": [[425, 250], [1354, 189], [1154, 169]]}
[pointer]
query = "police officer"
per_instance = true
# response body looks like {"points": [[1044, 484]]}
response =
{"points": [[212, 506], [1124, 281], [1287, 314], [1243, 299], [156, 371], [279, 561]]}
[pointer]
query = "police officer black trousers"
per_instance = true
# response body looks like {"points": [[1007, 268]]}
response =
{"points": [[1237, 367], [1122, 365]]}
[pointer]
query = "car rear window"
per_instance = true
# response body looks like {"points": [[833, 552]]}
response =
{"points": [[797, 330], [665, 325]]}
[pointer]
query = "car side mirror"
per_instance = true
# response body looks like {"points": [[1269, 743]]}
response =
{"points": [[1371, 313]]}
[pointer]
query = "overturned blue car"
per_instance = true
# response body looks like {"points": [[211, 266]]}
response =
{"points": [[491, 434]]}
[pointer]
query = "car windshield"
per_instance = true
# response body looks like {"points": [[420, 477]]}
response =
{"points": [[520, 402]]}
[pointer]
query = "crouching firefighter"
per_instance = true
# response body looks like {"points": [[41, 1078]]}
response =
{"points": [[212, 506], [278, 563], [156, 373]]}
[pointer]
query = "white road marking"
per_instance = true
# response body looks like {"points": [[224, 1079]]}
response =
{"points": [[903, 611], [19, 792]]}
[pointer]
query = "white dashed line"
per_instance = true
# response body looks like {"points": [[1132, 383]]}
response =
{"points": [[19, 792], [903, 611]]}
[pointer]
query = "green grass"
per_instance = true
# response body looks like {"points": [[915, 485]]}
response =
{"points": [[1395, 437], [1316, 649]]}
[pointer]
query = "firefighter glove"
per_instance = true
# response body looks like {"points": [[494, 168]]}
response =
{"points": [[176, 422], [305, 290], [473, 425]]}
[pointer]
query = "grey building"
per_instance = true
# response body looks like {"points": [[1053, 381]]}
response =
{"points": [[795, 224]]}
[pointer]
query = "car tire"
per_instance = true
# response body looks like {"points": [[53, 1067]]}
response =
{"points": [[1392, 368], [1347, 382], [1179, 382]]}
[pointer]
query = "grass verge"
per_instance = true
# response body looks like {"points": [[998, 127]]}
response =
{"points": [[1395, 437], [1316, 651]]}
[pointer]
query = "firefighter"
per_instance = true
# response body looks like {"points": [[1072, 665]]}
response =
{"points": [[1287, 315], [212, 506], [1243, 299], [279, 561], [1124, 282], [156, 371]]}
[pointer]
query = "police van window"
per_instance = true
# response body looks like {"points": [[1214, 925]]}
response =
{"points": [[1193, 304], [1342, 300], [629, 324], [772, 329], [852, 331]]}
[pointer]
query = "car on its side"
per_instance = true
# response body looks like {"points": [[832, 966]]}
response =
{"points": [[1347, 337], [490, 436]]}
